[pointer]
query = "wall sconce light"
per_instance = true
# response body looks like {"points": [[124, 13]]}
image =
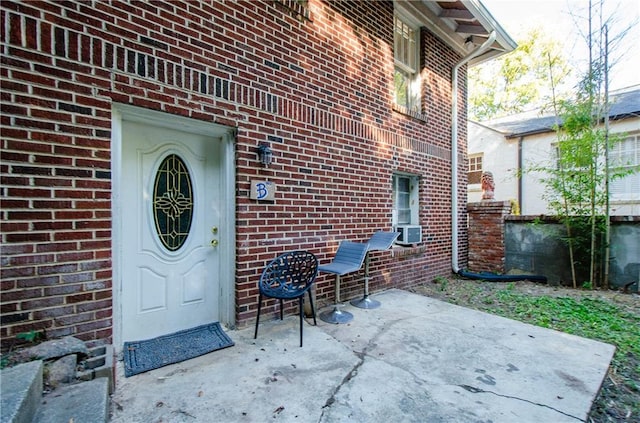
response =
{"points": [[265, 155]]}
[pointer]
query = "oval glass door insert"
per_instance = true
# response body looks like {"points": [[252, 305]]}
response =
{"points": [[173, 202]]}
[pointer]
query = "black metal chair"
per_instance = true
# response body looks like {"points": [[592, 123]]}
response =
{"points": [[287, 277]]}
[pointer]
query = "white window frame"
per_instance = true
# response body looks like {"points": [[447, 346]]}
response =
{"points": [[398, 180], [473, 165], [626, 154], [406, 52]]}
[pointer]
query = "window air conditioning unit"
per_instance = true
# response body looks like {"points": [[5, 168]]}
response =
{"points": [[409, 234]]}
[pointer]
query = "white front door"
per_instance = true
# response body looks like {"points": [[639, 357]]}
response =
{"points": [[170, 220]]}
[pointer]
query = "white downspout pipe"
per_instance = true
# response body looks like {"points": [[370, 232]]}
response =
{"points": [[454, 147]]}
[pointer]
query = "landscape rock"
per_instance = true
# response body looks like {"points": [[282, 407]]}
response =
{"points": [[55, 349], [62, 370]]}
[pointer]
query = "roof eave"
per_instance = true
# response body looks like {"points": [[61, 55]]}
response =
{"points": [[545, 130], [503, 44], [422, 12]]}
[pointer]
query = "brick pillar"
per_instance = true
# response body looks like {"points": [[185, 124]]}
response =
{"points": [[486, 235]]}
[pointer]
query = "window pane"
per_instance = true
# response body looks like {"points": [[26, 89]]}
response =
{"points": [[411, 52], [475, 169], [475, 163], [406, 76], [405, 45], [474, 177], [405, 202], [398, 41], [626, 155], [404, 216], [402, 88], [404, 185]]}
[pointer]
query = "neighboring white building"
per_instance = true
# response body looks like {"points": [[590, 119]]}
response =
{"points": [[506, 145]]}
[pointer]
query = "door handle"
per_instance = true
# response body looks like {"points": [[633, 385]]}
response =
{"points": [[214, 242]]}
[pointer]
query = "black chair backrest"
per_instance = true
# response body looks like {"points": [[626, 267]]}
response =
{"points": [[289, 275]]}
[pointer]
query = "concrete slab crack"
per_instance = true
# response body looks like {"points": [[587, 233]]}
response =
{"points": [[354, 370], [476, 390], [345, 380]]}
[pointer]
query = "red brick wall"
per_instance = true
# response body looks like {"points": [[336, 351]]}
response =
{"points": [[486, 235], [318, 91]]}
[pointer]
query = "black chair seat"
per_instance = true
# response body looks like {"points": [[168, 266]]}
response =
{"points": [[287, 277]]}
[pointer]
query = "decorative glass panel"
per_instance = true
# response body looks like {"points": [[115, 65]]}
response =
{"points": [[173, 202]]}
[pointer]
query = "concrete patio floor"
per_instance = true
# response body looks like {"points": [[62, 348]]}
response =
{"points": [[414, 359]]}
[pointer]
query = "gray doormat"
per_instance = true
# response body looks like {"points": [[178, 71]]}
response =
{"points": [[142, 356]]}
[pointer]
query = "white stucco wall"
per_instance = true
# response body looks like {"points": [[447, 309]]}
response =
{"points": [[536, 152], [501, 158]]}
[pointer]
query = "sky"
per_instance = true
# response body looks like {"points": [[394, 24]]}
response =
{"points": [[564, 19]]}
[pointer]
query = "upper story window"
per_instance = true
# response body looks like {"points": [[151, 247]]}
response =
{"points": [[564, 160], [626, 155], [475, 168], [407, 65]]}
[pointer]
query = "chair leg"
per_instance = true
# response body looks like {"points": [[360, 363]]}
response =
{"points": [[336, 315], [255, 335], [281, 310], [313, 311], [366, 302], [301, 303]]}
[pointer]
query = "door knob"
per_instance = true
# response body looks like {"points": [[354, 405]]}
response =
{"points": [[214, 242]]}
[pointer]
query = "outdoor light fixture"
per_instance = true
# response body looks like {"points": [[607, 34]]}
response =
{"points": [[265, 155]]}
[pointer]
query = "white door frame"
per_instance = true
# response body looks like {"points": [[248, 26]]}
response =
{"points": [[122, 112]]}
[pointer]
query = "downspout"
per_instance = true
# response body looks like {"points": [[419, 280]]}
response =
{"points": [[520, 166], [454, 147]]}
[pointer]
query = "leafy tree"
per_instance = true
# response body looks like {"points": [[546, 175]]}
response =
{"points": [[577, 177], [577, 181], [516, 81], [574, 183]]}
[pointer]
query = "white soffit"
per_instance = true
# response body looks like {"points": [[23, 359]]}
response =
{"points": [[462, 24]]}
